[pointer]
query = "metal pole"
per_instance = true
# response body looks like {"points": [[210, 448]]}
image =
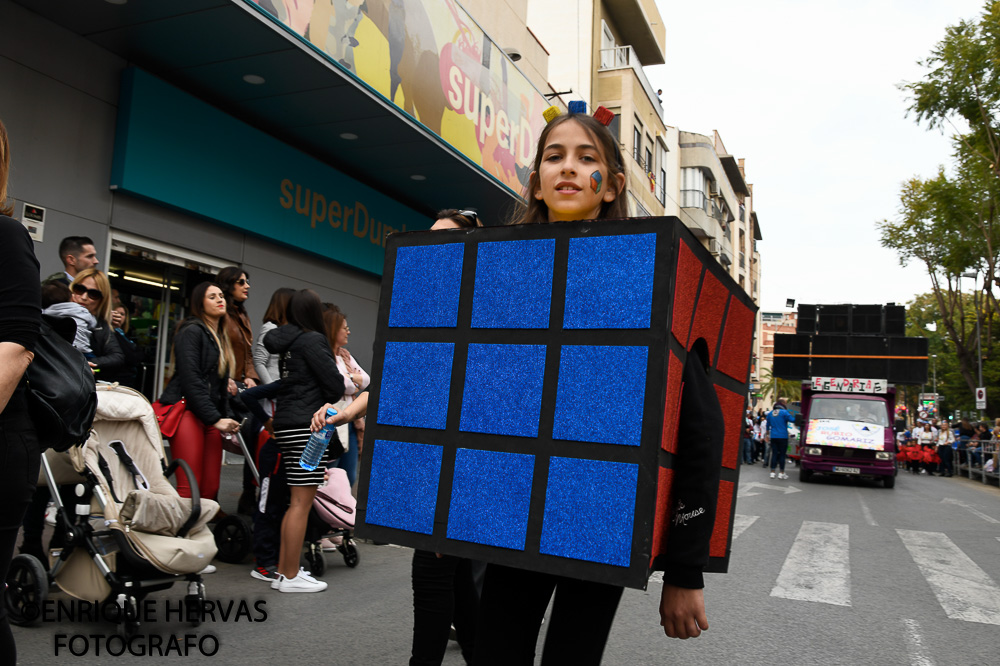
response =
{"points": [[937, 413], [979, 352]]}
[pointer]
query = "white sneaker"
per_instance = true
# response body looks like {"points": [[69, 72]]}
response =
{"points": [[301, 575], [210, 569], [772, 475], [301, 583], [782, 476]]}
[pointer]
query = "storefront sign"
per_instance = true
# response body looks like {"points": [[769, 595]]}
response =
{"points": [[430, 59], [847, 434], [176, 150]]}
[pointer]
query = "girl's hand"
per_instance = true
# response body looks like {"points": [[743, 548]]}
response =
{"points": [[226, 425], [682, 612], [250, 382], [319, 418], [232, 387]]}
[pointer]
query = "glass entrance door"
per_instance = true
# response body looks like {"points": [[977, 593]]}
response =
{"points": [[154, 283]]}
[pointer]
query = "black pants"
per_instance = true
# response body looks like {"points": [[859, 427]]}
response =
{"points": [[267, 523], [444, 593], [946, 453], [511, 612], [19, 461]]}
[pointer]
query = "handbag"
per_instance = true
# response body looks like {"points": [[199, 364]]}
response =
{"points": [[62, 393], [168, 417]]}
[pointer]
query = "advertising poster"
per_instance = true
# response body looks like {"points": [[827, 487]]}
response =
{"points": [[847, 434], [430, 59]]}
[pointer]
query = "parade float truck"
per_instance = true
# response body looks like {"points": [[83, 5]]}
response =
{"points": [[849, 358], [846, 429]]}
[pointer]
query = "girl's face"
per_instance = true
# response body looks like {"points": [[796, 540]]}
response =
{"points": [[573, 178], [84, 298], [445, 223], [343, 334], [240, 290], [214, 303]]}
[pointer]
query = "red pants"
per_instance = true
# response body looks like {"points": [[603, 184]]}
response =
{"points": [[200, 446]]}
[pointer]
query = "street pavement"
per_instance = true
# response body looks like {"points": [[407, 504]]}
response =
{"points": [[831, 572]]}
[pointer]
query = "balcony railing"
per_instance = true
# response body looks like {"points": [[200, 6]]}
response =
{"points": [[694, 199], [661, 191], [622, 57]]}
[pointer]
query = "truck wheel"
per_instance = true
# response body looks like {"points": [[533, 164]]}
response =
{"points": [[889, 481], [804, 475]]}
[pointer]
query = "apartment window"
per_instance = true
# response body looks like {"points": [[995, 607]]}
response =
{"points": [[637, 142], [648, 166], [693, 189], [662, 187], [615, 127]]}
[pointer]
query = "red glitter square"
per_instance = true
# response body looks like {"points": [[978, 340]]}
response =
{"points": [[708, 316], [675, 370], [732, 416], [685, 292], [737, 341], [720, 533]]}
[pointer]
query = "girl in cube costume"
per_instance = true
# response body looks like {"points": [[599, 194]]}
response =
{"points": [[579, 174]]}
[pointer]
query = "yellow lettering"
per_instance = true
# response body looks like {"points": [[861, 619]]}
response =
{"points": [[301, 203], [358, 209], [286, 194], [318, 208], [334, 214]]}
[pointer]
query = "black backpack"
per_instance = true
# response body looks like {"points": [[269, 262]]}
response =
{"points": [[62, 394]]}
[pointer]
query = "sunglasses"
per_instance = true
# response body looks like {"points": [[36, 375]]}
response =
{"points": [[243, 281], [92, 294]]}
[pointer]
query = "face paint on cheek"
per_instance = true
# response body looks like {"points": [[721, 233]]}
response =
{"points": [[595, 182]]}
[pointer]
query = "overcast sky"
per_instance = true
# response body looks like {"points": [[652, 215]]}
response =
{"points": [[806, 92]]}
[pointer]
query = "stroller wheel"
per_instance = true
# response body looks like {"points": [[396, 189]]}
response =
{"points": [[350, 553], [27, 589], [234, 539], [127, 616], [315, 562]]}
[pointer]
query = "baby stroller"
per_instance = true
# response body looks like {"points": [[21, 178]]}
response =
{"points": [[129, 532], [332, 515]]}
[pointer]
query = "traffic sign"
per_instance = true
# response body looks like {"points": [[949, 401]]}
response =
{"points": [[981, 397]]}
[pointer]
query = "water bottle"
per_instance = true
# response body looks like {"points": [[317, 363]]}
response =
{"points": [[312, 455]]}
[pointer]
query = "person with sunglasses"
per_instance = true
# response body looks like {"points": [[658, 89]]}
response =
{"points": [[91, 289], [235, 284]]}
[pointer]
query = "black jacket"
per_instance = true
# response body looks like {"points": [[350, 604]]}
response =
{"points": [[700, 440], [196, 374], [309, 375], [108, 354]]}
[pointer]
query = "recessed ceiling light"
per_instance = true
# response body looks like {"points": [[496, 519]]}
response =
{"points": [[116, 2], [254, 79], [348, 136], [418, 177], [513, 54]]}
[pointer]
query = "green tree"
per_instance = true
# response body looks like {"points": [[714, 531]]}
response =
{"points": [[949, 223], [772, 388]]}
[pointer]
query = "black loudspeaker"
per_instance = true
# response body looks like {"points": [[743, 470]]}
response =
{"points": [[834, 320], [908, 370], [829, 355], [869, 353], [895, 320], [806, 323], [866, 320], [795, 366]]}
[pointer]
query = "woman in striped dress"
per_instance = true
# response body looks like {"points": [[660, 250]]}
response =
{"points": [[309, 379]]}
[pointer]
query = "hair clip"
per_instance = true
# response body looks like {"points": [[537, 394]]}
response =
{"points": [[551, 114], [603, 116]]}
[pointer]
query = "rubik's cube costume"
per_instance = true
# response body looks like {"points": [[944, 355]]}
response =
{"points": [[564, 398]]}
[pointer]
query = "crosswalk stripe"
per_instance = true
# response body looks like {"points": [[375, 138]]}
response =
{"points": [[741, 523], [817, 567], [964, 591], [915, 644]]}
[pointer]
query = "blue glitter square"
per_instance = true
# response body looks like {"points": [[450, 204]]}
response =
{"points": [[403, 485], [503, 389], [589, 510], [609, 282], [416, 381], [490, 497], [513, 284], [600, 394], [426, 285]]}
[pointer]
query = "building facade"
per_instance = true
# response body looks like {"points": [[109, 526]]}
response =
{"points": [[285, 137], [771, 324]]}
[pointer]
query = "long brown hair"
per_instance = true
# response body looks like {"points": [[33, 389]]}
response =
{"points": [[534, 211], [278, 306], [333, 320], [226, 359], [5, 208]]}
